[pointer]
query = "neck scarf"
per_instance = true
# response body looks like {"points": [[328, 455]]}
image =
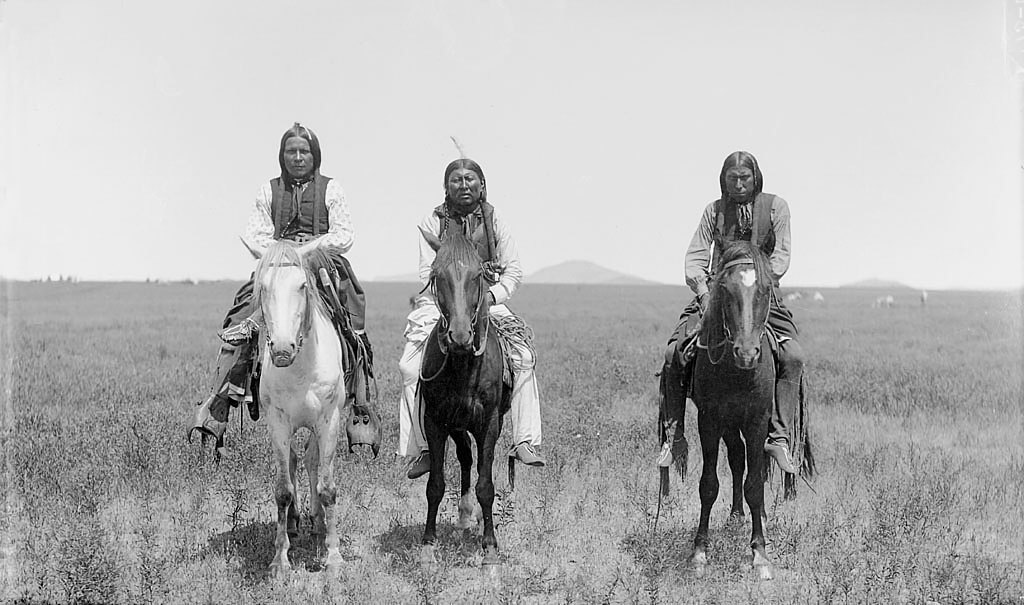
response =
{"points": [[298, 186], [744, 215]]}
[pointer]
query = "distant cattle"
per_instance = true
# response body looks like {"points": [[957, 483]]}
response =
{"points": [[886, 301], [818, 297], [793, 296], [924, 298]]}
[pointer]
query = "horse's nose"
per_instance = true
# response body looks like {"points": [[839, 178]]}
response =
{"points": [[746, 357], [282, 353]]}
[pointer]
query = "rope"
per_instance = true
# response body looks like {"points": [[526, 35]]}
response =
{"points": [[514, 332]]}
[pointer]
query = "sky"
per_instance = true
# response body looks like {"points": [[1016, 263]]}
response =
{"points": [[135, 134]]}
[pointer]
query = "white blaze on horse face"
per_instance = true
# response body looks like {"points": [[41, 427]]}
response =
{"points": [[748, 277]]}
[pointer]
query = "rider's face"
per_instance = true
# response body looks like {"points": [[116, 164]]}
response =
{"points": [[464, 187], [739, 182], [298, 158]]}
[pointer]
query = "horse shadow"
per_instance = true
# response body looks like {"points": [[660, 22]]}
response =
{"points": [[251, 545], [669, 549], [455, 547]]}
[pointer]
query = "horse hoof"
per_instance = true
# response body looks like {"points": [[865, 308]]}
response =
{"points": [[764, 572], [735, 519], [699, 560], [427, 555], [491, 571], [280, 570], [334, 563]]}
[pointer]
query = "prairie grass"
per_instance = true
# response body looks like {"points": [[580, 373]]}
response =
{"points": [[916, 416]]}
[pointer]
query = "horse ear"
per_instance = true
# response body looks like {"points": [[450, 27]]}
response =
{"points": [[255, 254], [432, 240]]}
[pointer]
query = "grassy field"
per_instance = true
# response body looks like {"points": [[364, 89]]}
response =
{"points": [[916, 416]]}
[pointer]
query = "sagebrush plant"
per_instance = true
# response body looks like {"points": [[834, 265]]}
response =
{"points": [[915, 415]]}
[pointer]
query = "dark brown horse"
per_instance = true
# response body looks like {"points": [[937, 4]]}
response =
{"points": [[733, 389], [461, 383]]}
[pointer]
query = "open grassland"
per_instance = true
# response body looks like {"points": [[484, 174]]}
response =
{"points": [[916, 416]]}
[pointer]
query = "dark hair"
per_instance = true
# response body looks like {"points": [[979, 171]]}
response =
{"points": [[741, 159], [468, 164], [298, 130]]}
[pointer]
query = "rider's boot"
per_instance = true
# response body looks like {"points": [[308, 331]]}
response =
{"points": [[787, 404]]}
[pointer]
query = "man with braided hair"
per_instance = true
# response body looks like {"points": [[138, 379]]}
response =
{"points": [[301, 205], [466, 200], [744, 212]]}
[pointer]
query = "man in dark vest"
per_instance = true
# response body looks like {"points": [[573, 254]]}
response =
{"points": [[744, 212], [300, 205], [466, 202]]}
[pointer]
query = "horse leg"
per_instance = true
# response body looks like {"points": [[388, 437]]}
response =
{"points": [[437, 441], [485, 488], [754, 490], [464, 452], [293, 508], [316, 508], [284, 493], [710, 434], [737, 464], [326, 493]]}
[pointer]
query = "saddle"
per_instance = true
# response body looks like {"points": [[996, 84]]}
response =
{"points": [[512, 331], [364, 426]]}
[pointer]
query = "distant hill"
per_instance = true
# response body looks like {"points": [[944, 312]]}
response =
{"points": [[583, 272], [877, 284]]}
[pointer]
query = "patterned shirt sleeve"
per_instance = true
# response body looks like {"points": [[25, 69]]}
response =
{"points": [[698, 255], [259, 232], [340, 233], [780, 224], [508, 257]]}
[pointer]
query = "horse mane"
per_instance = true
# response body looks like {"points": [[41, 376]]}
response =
{"points": [[742, 250], [456, 251], [282, 253]]}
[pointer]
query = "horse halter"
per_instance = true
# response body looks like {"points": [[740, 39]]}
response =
{"points": [[306, 315], [725, 325], [444, 322]]}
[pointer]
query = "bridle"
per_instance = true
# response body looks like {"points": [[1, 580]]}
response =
{"points": [[444, 322], [728, 338], [306, 315]]}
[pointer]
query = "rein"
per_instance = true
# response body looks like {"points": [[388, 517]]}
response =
{"points": [[444, 322], [728, 339]]}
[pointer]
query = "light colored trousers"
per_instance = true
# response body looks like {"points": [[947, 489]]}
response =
{"points": [[525, 412]]}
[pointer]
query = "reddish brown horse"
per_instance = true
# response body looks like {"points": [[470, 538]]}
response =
{"points": [[461, 384], [733, 389]]}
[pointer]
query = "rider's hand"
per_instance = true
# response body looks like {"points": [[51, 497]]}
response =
{"points": [[702, 300]]}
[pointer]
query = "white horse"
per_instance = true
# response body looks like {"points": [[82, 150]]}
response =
{"points": [[302, 386]]}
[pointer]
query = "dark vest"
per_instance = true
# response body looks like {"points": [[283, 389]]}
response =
{"points": [[481, 229], [311, 217], [727, 224]]}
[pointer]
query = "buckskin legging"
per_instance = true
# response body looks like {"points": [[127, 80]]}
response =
{"points": [[525, 411]]}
